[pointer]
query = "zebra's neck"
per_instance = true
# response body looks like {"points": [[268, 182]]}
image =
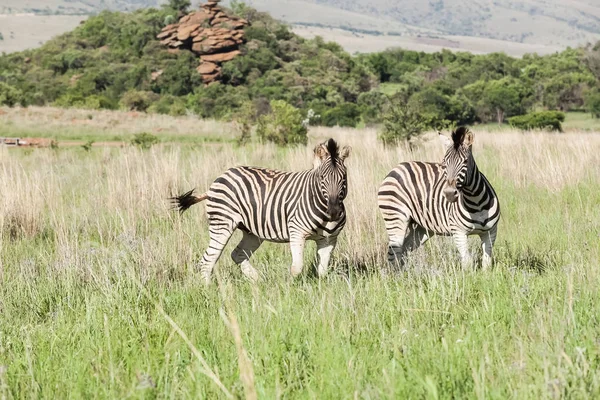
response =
{"points": [[477, 193]]}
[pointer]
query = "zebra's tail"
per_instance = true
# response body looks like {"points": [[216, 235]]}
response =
{"points": [[186, 200]]}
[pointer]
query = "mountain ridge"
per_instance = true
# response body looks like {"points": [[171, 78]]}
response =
{"points": [[513, 26]]}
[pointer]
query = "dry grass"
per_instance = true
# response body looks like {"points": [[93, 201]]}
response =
{"points": [[100, 299], [106, 125]]}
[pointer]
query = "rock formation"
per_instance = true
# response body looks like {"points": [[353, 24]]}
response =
{"points": [[209, 33]]}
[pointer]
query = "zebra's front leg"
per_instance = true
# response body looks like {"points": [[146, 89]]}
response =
{"points": [[462, 243], [487, 243], [297, 247], [324, 248], [242, 253]]}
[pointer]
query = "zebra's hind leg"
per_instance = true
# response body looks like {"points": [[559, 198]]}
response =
{"points": [[487, 243], [415, 238], [242, 253], [219, 236], [324, 248], [396, 246]]}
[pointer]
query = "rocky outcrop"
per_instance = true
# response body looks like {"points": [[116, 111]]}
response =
{"points": [[211, 34]]}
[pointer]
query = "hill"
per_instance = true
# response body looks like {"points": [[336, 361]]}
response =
{"points": [[115, 60], [549, 22], [515, 26]]}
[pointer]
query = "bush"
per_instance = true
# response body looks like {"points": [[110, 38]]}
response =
{"points": [[9, 96], [551, 120], [144, 140], [283, 125], [87, 146], [136, 100], [168, 104], [243, 122], [592, 103], [401, 122], [345, 114]]}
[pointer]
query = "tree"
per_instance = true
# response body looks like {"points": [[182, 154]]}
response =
{"points": [[402, 122], [179, 5], [283, 126], [592, 102], [345, 114], [9, 96], [504, 97]]}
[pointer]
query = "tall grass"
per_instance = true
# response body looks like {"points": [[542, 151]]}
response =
{"points": [[99, 297]]}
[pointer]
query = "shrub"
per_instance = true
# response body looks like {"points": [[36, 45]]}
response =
{"points": [[144, 140], [345, 114], [168, 104], [283, 125], [551, 120], [243, 121], [136, 100], [9, 96], [87, 146], [401, 122], [592, 103]]}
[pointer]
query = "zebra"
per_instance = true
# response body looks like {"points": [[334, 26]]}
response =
{"points": [[276, 206], [422, 199]]}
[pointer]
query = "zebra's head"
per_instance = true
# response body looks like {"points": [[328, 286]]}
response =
{"points": [[457, 161], [333, 182]]}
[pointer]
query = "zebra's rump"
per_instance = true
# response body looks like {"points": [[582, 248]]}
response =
{"points": [[413, 191]]}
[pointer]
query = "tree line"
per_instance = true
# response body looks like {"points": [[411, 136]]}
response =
{"points": [[113, 60]]}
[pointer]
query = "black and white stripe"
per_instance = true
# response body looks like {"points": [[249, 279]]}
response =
{"points": [[276, 206], [421, 199]]}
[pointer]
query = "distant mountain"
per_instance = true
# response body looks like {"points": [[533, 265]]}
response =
{"points": [[547, 22], [70, 7], [513, 26]]}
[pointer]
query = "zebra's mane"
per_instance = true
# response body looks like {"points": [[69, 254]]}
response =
{"points": [[458, 136], [333, 150]]}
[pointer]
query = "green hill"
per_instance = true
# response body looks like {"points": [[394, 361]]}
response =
{"points": [[113, 60]]}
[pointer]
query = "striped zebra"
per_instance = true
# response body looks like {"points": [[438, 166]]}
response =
{"points": [[276, 206], [421, 199]]}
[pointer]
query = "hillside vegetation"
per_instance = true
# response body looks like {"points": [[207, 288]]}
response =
{"points": [[114, 61]]}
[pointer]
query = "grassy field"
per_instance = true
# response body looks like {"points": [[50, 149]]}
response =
{"points": [[99, 298]]}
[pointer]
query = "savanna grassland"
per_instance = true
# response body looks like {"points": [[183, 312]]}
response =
{"points": [[99, 298]]}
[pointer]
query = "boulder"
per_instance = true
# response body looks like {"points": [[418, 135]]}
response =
{"points": [[208, 68], [210, 78], [184, 31], [221, 57], [198, 17], [156, 74], [209, 33]]}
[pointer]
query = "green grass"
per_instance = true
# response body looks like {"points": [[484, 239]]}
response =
{"points": [[89, 251], [581, 121], [574, 121]]}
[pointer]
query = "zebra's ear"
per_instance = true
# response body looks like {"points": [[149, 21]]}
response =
{"points": [[345, 152], [469, 139], [321, 153], [446, 141]]}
